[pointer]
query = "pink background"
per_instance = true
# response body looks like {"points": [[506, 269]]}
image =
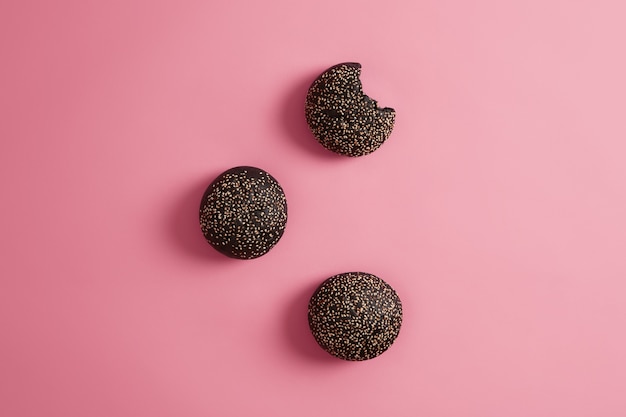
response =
{"points": [[496, 209]]}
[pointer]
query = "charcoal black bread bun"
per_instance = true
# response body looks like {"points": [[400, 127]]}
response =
{"points": [[243, 212], [341, 117], [355, 316]]}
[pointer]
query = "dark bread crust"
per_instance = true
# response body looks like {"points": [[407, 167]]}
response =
{"points": [[355, 316], [243, 213], [341, 117]]}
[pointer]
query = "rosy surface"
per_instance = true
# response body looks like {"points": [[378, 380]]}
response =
{"points": [[496, 209]]}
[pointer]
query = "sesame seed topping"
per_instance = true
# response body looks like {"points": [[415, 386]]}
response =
{"points": [[243, 212], [355, 316], [341, 117]]}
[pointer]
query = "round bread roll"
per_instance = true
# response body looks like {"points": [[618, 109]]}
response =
{"points": [[355, 316], [342, 118], [243, 212]]}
